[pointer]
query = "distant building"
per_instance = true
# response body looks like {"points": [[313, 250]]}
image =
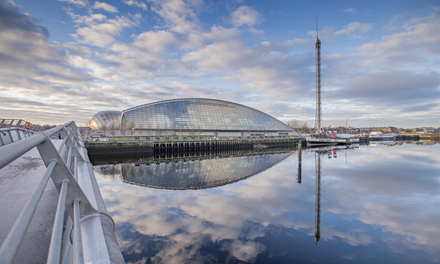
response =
{"points": [[197, 116], [105, 120], [369, 129], [391, 129], [430, 130]]}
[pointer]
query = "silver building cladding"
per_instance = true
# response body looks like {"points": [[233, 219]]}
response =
{"points": [[207, 115], [107, 119]]}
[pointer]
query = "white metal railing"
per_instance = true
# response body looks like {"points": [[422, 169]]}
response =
{"points": [[69, 167], [12, 130], [12, 134]]}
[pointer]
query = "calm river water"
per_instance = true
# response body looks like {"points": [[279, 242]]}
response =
{"points": [[371, 204]]}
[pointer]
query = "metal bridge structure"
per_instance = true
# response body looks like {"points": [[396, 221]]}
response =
{"points": [[82, 232], [15, 129]]}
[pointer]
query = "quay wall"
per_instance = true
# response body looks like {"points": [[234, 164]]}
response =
{"points": [[185, 146]]}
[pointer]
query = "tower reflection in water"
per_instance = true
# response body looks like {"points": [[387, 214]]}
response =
{"points": [[318, 167], [319, 154], [191, 173]]}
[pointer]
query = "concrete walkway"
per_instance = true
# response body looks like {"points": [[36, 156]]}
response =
{"points": [[17, 182]]}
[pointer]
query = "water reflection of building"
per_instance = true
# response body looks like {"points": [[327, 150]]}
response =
{"points": [[199, 174], [111, 171]]}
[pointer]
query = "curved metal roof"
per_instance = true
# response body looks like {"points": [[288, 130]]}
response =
{"points": [[201, 114], [197, 99], [105, 118]]}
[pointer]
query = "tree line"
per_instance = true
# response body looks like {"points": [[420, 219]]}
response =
{"points": [[300, 126]]}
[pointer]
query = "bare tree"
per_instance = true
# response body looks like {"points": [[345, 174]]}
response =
{"points": [[104, 129], [299, 126], [123, 128], [130, 127], [86, 131], [112, 128]]}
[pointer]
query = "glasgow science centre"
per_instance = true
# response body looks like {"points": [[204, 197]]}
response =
{"points": [[193, 115]]}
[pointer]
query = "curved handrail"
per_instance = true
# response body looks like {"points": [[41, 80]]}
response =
{"points": [[73, 176]]}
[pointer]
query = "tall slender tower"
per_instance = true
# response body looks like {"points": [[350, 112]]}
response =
{"points": [[318, 197], [318, 116]]}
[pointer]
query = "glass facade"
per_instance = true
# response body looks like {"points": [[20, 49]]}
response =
{"points": [[202, 115], [199, 174], [105, 118]]}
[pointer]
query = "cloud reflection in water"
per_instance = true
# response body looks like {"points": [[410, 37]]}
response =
{"points": [[378, 205]]}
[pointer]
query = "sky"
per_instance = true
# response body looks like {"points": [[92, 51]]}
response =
{"points": [[63, 60]]}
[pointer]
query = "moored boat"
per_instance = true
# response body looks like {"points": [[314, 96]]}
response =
{"points": [[327, 141], [379, 136]]}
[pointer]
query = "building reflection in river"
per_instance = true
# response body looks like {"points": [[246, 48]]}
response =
{"points": [[199, 173], [380, 205]]}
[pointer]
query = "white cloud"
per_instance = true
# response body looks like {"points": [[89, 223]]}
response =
{"points": [[349, 11], [101, 31], [218, 57], [74, 49], [354, 29], [93, 37], [256, 32], [82, 3], [419, 36], [135, 3], [106, 7], [178, 15], [245, 15], [155, 41]]}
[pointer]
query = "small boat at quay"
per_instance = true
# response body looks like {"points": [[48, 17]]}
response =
{"points": [[379, 136], [325, 140]]}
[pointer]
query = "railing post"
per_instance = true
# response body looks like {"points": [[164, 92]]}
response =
{"points": [[78, 257], [60, 149], [69, 159], [10, 136], [18, 133], [57, 232]]}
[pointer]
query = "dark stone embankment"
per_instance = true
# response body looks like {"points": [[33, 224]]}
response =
{"points": [[407, 137], [149, 147], [122, 147]]}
